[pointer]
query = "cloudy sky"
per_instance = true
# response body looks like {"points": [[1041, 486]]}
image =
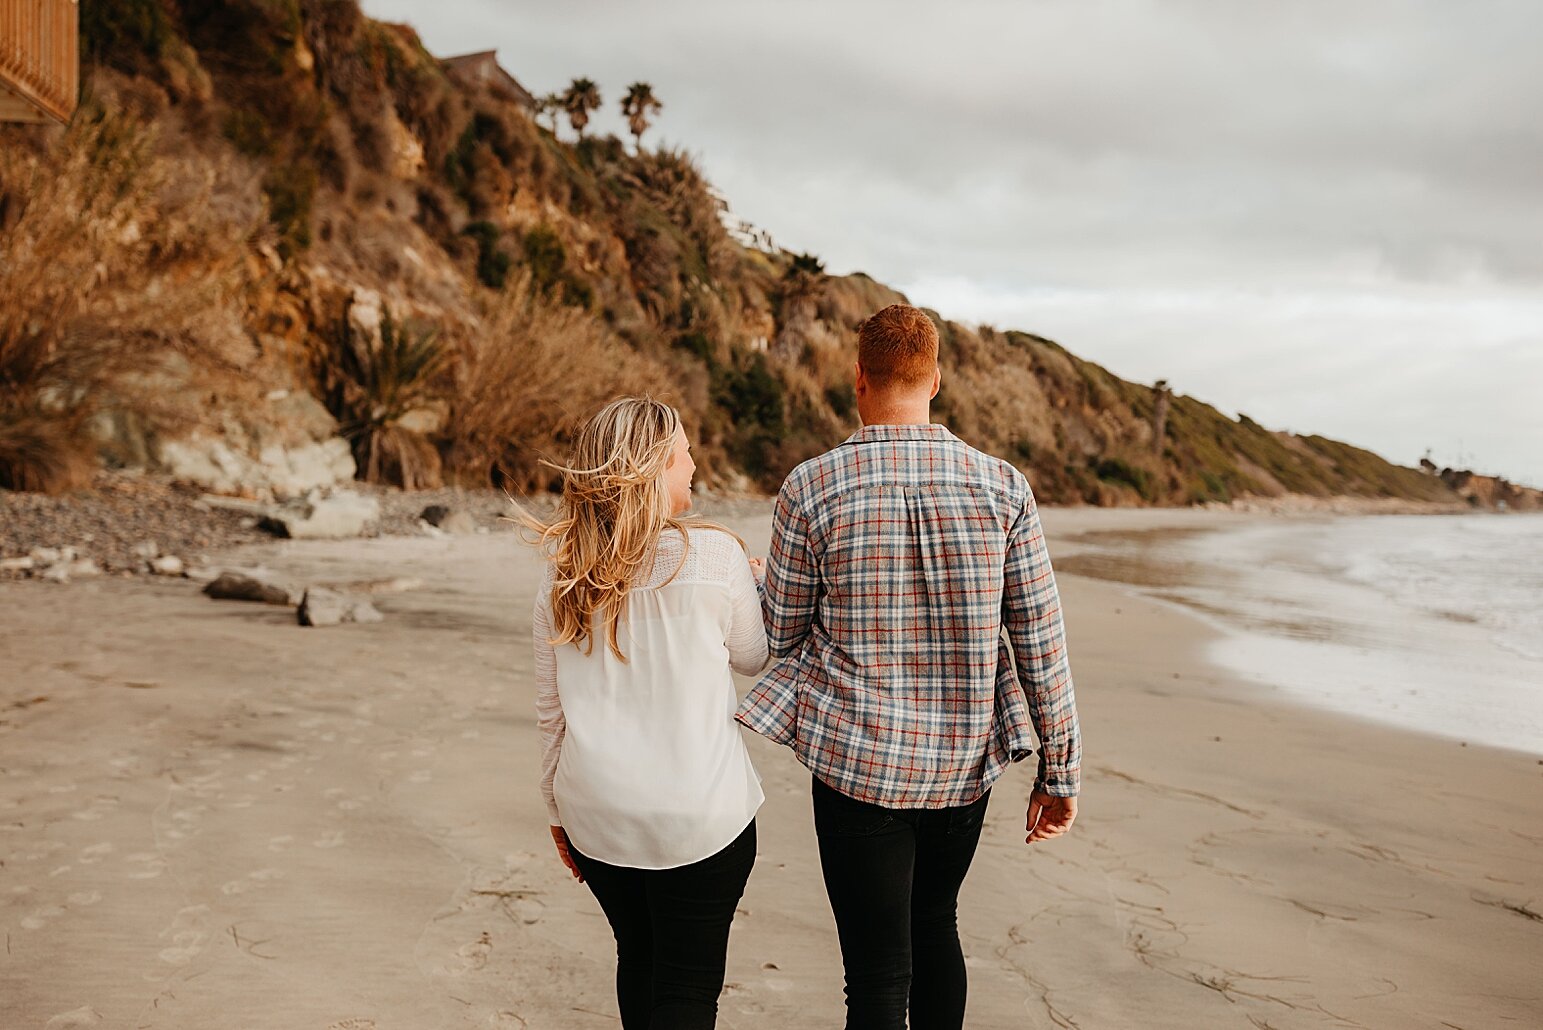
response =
{"points": [[1327, 215]]}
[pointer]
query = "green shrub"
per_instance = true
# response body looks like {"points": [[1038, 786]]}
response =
{"points": [[696, 344], [291, 190], [1114, 470], [249, 131], [545, 256], [492, 263]]}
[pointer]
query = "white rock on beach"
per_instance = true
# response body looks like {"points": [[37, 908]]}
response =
{"points": [[166, 565], [344, 514], [23, 564], [323, 607]]}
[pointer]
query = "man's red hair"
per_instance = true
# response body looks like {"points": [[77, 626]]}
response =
{"points": [[898, 346]]}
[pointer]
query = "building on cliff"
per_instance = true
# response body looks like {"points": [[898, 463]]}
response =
{"points": [[483, 68], [39, 60]]}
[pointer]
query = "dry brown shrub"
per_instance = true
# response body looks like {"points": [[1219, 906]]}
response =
{"points": [[119, 259], [534, 367]]}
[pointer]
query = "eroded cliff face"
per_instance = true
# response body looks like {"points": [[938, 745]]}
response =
{"points": [[425, 284]]}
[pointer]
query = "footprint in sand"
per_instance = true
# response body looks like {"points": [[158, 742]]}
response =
{"points": [[506, 1020], [528, 910], [42, 849], [187, 935], [40, 917], [84, 898], [473, 956], [251, 882], [83, 1016], [145, 866], [353, 1024], [329, 840], [95, 853]]}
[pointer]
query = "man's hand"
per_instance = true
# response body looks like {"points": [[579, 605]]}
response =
{"points": [[758, 568], [1049, 816], [560, 838]]}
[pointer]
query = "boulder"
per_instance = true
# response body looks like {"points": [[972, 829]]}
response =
{"points": [[323, 607], [166, 565], [328, 518], [277, 470], [254, 585], [23, 564], [448, 520]]}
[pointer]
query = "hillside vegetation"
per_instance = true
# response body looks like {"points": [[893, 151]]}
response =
{"points": [[265, 204]]}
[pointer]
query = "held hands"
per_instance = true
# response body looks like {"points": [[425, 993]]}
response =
{"points": [[1049, 816], [758, 567], [560, 838]]}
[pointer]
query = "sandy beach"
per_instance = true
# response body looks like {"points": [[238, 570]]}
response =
{"points": [[212, 818]]}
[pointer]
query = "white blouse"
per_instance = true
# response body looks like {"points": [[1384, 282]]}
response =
{"points": [[643, 763]]}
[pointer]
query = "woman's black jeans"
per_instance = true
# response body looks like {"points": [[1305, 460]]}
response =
{"points": [[893, 876], [672, 933]]}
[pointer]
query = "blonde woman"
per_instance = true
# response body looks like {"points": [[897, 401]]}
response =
{"points": [[652, 798]]}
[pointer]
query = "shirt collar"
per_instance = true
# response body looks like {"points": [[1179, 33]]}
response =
{"points": [[911, 431]]}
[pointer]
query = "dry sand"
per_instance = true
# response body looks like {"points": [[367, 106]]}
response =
{"points": [[211, 818]]}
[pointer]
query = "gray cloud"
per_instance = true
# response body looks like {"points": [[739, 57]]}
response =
{"points": [[1239, 196]]}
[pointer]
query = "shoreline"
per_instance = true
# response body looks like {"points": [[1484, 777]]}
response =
{"points": [[127, 518], [340, 828]]}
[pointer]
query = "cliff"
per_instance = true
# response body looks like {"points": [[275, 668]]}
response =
{"points": [[299, 225]]}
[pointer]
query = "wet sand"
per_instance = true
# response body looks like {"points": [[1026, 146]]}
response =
{"points": [[211, 817]]}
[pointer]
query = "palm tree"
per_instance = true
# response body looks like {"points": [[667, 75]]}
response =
{"points": [[550, 105], [803, 284], [636, 107], [581, 97]]}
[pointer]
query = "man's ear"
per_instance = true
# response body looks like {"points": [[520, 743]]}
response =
{"points": [[859, 380], [937, 382]]}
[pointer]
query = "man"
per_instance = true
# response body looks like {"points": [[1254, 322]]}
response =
{"points": [[897, 560]]}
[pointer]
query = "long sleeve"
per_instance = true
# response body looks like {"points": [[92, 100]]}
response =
{"points": [[792, 592], [1031, 612], [549, 706], [747, 631]]}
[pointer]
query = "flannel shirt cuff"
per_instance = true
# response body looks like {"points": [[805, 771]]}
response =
{"points": [[1058, 783]]}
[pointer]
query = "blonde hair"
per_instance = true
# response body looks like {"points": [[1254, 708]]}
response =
{"points": [[615, 507]]}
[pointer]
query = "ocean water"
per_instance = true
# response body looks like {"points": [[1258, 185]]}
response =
{"points": [[1432, 623]]}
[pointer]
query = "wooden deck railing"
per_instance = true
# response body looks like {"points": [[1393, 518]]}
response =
{"points": [[39, 59]]}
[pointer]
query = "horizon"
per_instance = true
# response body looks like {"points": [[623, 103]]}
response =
{"points": [[1248, 205]]}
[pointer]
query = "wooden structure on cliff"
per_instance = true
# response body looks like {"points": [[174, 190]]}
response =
{"points": [[483, 68], [39, 60]]}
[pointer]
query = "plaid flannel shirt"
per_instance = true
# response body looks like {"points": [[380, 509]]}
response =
{"points": [[897, 560]]}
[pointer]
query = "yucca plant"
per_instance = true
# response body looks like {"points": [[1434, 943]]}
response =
{"points": [[370, 384]]}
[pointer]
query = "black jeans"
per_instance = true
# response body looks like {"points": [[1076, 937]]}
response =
{"points": [[893, 876], [672, 933]]}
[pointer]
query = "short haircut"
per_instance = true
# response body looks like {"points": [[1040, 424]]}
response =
{"points": [[898, 346]]}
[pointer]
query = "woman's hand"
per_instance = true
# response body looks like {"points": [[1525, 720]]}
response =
{"points": [[560, 838], [758, 567]]}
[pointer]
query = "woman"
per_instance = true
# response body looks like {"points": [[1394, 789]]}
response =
{"points": [[652, 798]]}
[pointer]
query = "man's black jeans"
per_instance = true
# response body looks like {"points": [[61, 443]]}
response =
{"points": [[893, 876], [672, 933]]}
